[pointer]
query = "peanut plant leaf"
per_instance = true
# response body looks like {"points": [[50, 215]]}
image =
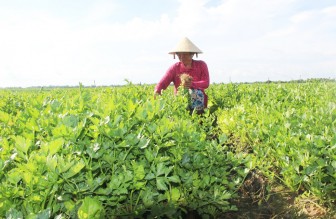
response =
{"points": [[161, 183]]}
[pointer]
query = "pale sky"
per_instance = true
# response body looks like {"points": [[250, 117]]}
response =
{"points": [[104, 42]]}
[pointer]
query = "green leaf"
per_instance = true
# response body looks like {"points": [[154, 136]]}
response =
{"points": [[161, 183], [63, 165], [185, 159], [160, 169], [139, 185], [34, 113], [223, 138], [175, 194], [131, 139], [121, 191], [53, 146], [62, 130], [174, 179], [139, 171], [151, 128], [44, 214], [168, 170], [14, 176], [71, 121], [114, 183], [147, 198], [333, 164], [14, 214], [69, 205], [143, 143], [225, 195], [150, 176], [4, 117], [22, 144], [75, 169], [91, 208], [55, 105], [149, 155], [118, 132]]}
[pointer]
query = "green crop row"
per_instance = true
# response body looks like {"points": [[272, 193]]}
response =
{"points": [[289, 128], [120, 153], [110, 152]]}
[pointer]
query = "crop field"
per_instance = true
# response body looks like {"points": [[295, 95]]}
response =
{"points": [[261, 150]]}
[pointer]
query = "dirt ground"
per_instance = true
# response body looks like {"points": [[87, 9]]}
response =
{"points": [[255, 203]]}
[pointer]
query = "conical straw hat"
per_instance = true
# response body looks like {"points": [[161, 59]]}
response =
{"points": [[185, 45]]}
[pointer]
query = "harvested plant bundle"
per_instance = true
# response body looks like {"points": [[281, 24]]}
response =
{"points": [[185, 78]]}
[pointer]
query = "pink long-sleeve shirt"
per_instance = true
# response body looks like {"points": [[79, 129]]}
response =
{"points": [[199, 71]]}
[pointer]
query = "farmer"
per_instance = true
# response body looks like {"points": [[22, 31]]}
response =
{"points": [[189, 74]]}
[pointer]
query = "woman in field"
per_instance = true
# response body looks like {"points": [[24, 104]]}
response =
{"points": [[188, 74]]}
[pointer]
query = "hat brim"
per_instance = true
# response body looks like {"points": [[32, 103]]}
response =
{"points": [[175, 52]]}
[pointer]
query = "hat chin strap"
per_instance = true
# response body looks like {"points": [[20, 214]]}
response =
{"points": [[194, 53]]}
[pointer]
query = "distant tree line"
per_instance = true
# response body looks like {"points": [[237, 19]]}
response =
{"points": [[139, 84]]}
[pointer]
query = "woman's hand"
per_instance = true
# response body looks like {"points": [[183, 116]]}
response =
{"points": [[156, 93], [187, 84]]}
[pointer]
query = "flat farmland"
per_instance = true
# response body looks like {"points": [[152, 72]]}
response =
{"points": [[118, 152]]}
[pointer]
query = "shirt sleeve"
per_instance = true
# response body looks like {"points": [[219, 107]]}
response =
{"points": [[204, 81], [165, 80]]}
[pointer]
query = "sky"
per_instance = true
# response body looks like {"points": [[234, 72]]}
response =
{"points": [[110, 42]]}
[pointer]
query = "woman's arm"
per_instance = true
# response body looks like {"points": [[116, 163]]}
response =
{"points": [[165, 80]]}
